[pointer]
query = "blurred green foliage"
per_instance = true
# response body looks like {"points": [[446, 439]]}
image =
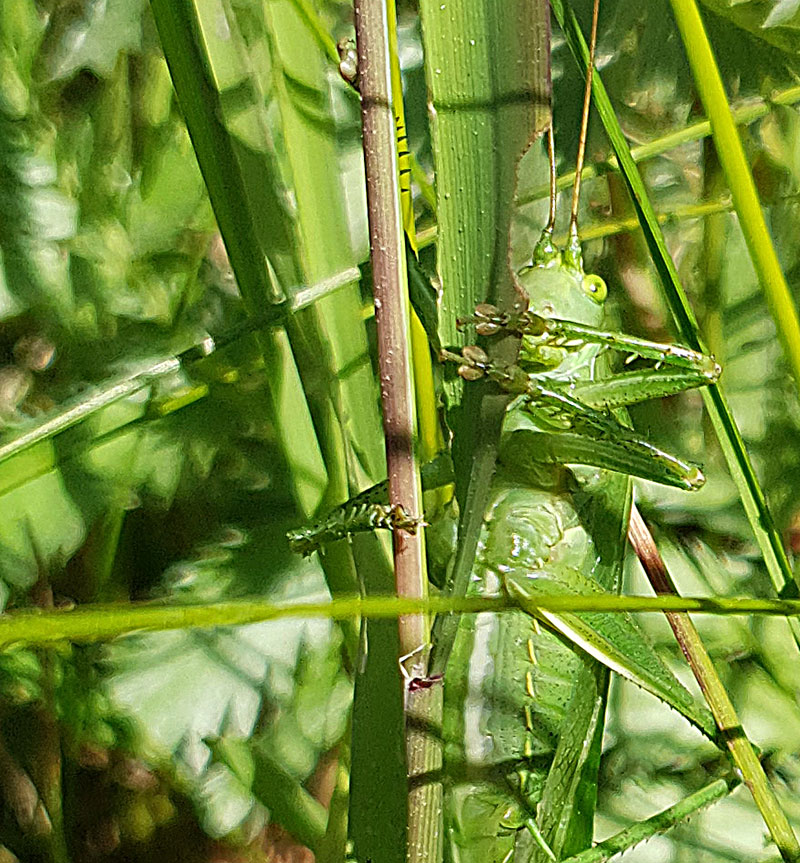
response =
{"points": [[181, 488]]}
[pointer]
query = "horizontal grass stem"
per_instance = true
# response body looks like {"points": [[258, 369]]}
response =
{"points": [[95, 623], [611, 227]]}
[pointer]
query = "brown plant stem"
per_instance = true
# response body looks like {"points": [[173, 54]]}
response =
{"points": [[387, 253], [728, 723], [47, 767]]}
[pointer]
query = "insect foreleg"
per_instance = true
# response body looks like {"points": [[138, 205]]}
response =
{"points": [[666, 354], [572, 432], [473, 364], [557, 333]]}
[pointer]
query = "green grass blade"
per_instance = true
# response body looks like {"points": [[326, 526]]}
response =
{"points": [[304, 88], [485, 115], [659, 823], [277, 789], [378, 792], [90, 624], [266, 112], [741, 469], [200, 76], [740, 179]]}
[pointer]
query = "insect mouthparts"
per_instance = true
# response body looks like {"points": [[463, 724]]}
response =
{"points": [[695, 480]]}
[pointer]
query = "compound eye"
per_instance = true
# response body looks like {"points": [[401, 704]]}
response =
{"points": [[595, 288]]}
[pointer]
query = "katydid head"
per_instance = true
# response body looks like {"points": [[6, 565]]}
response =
{"points": [[560, 290]]}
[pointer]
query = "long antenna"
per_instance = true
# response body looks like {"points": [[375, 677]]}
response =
{"points": [[574, 243], [551, 156], [545, 252]]}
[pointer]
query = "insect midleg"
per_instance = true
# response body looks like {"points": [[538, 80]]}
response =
{"points": [[633, 387], [364, 515]]}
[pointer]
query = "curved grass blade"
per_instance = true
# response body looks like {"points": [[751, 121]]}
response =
{"points": [[276, 788], [146, 373]]}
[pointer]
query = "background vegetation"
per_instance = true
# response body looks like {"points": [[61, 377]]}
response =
{"points": [[138, 463]]}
